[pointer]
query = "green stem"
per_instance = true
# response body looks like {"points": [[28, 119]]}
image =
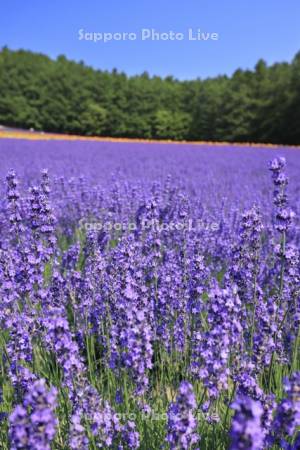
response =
{"points": [[254, 313], [229, 403], [295, 359], [283, 244]]}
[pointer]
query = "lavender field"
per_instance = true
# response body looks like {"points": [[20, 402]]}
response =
{"points": [[150, 296]]}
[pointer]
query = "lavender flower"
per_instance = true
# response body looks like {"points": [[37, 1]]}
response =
{"points": [[78, 438], [246, 429], [13, 197], [33, 424], [221, 336], [182, 425], [284, 215], [59, 340], [287, 417]]}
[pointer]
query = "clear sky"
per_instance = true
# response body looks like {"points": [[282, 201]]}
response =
{"points": [[247, 31]]}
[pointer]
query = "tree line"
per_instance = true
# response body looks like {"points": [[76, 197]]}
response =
{"points": [[260, 105]]}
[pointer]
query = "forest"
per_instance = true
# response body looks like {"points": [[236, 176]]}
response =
{"points": [[63, 96]]}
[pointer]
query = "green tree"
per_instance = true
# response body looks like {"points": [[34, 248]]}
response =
{"points": [[93, 119], [60, 95], [168, 125]]}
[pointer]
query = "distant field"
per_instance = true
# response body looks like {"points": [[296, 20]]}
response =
{"points": [[40, 135]]}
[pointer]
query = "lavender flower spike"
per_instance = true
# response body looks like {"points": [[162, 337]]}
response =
{"points": [[33, 424], [246, 429], [182, 424]]}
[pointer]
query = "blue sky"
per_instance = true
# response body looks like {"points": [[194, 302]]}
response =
{"points": [[248, 30]]}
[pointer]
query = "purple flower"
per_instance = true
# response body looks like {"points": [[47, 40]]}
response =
{"points": [[182, 425], [287, 417], [220, 337], [78, 438], [246, 430], [13, 198], [284, 215], [58, 339], [33, 424]]}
